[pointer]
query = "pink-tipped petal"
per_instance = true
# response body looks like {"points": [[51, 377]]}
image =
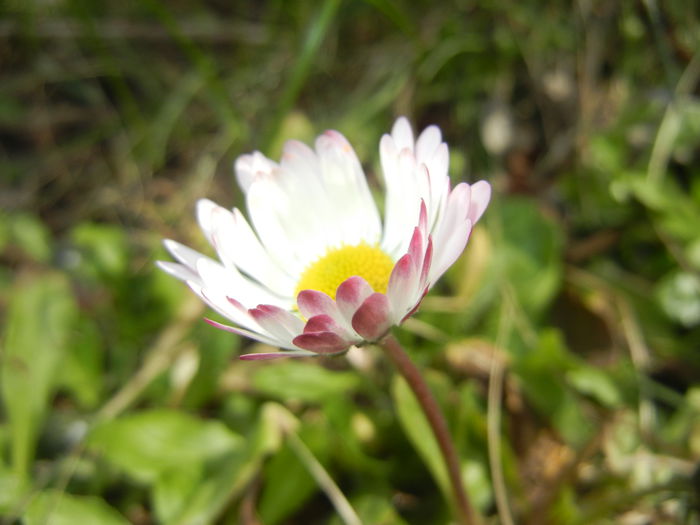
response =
{"points": [[279, 322], [480, 196], [242, 332], [322, 342], [351, 294], [373, 319]]}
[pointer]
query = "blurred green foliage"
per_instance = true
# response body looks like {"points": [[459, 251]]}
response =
{"points": [[582, 284]]}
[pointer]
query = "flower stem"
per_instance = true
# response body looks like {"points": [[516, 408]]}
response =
{"points": [[436, 419]]}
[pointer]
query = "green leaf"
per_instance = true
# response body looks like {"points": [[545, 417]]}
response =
{"points": [[197, 494], [40, 316], [12, 491], [597, 384], [57, 508], [81, 371], [147, 444], [103, 250], [530, 253], [305, 381], [288, 485], [542, 372], [418, 430]]}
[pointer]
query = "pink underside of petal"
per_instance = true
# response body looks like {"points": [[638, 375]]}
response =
{"points": [[423, 218], [322, 342], [402, 272], [427, 261], [265, 313], [313, 302], [373, 318], [235, 303], [415, 247], [267, 356], [351, 294], [321, 323], [403, 284]]}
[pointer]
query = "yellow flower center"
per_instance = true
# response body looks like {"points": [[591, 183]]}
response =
{"points": [[338, 264]]}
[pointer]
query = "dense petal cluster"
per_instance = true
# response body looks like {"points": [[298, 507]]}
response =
{"points": [[311, 210]]}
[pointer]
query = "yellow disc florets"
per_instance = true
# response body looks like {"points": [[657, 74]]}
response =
{"points": [[329, 271]]}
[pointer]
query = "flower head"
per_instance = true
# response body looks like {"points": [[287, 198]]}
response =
{"points": [[318, 272]]}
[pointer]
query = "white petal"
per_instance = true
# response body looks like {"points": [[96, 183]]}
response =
{"points": [[238, 246], [317, 219], [247, 168], [272, 215], [184, 254], [219, 303], [427, 143], [179, 271], [406, 182], [247, 333], [450, 250], [347, 190], [402, 134], [228, 282], [205, 208], [452, 232], [480, 196], [438, 166]]}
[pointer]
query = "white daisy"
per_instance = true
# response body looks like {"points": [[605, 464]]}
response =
{"points": [[317, 272]]}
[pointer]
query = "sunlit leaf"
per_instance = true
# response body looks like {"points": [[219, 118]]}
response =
{"points": [[146, 444], [305, 381]]}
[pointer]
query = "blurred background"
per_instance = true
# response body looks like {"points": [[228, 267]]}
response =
{"points": [[563, 347]]}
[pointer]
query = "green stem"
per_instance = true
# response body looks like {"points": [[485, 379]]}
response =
{"points": [[431, 409]]}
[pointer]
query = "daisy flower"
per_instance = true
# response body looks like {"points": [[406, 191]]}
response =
{"points": [[314, 270]]}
